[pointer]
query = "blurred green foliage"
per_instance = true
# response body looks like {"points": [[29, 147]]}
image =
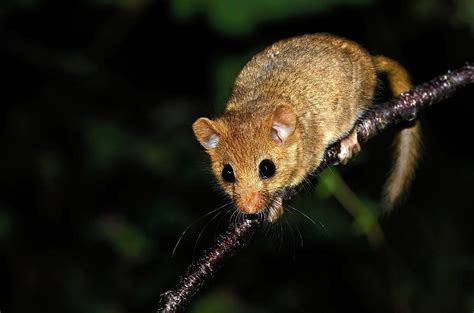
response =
{"points": [[109, 145], [126, 4], [128, 240], [225, 72], [468, 9], [428, 10], [19, 3], [220, 301], [240, 17], [5, 224], [364, 211], [237, 17], [471, 304]]}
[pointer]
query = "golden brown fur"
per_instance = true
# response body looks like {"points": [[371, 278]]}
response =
{"points": [[288, 104]]}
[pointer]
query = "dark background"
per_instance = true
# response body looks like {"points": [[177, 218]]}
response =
{"points": [[100, 172]]}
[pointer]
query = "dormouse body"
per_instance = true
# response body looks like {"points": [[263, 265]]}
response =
{"points": [[288, 104]]}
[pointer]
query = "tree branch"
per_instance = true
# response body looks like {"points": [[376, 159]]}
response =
{"points": [[405, 107]]}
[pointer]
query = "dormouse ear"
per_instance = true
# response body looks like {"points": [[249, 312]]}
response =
{"points": [[283, 123], [206, 133]]}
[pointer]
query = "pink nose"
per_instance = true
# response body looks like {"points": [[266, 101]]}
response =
{"points": [[251, 202]]}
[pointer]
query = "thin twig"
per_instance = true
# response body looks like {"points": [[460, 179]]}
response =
{"points": [[405, 107], [198, 273]]}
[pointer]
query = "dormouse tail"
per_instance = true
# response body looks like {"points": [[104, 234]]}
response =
{"points": [[408, 140]]}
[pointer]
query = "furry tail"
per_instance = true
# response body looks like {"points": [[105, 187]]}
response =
{"points": [[408, 141]]}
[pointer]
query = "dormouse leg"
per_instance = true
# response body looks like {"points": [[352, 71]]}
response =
{"points": [[349, 146]]}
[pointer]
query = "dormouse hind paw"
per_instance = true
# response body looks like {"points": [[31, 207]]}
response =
{"points": [[349, 147]]}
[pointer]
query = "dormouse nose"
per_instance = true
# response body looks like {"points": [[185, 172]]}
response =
{"points": [[251, 202]]}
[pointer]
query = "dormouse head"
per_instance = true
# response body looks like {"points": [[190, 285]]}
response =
{"points": [[253, 154]]}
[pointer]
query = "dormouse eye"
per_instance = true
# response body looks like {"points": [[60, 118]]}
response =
{"points": [[266, 169], [228, 174]]}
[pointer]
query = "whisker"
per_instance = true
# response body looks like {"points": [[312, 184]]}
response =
{"points": [[307, 186], [232, 217], [281, 235], [309, 218], [193, 223], [202, 231], [301, 236], [296, 225], [292, 239], [241, 217], [228, 210]]}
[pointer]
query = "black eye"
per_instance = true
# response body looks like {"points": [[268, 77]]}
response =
{"points": [[266, 169], [228, 174]]}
